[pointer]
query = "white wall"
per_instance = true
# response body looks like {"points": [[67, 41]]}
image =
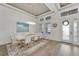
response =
{"points": [[71, 19], [55, 35], [56, 18], [8, 19]]}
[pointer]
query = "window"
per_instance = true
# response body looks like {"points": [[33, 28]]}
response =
{"points": [[66, 29], [75, 26], [64, 4], [41, 19], [64, 13], [22, 27], [40, 28], [73, 11], [48, 18], [48, 28]]}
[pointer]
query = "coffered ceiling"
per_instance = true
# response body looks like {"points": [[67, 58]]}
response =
{"points": [[33, 8], [37, 9]]}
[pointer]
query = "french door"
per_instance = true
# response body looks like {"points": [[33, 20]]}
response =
{"points": [[70, 29]]}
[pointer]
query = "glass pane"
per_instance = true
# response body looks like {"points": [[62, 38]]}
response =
{"points": [[73, 11], [22, 27], [65, 32], [48, 28], [64, 4], [40, 28], [75, 30], [41, 19], [48, 18]]}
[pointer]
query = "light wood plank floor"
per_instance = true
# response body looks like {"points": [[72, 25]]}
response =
{"points": [[52, 48], [3, 51]]}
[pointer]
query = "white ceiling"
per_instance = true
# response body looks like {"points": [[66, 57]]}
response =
{"points": [[33, 8]]}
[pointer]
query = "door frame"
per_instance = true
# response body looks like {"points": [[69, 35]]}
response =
{"points": [[71, 19]]}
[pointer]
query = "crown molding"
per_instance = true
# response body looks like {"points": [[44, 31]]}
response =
{"points": [[47, 13]]}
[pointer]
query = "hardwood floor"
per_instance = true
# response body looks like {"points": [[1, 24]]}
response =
{"points": [[54, 48], [46, 49], [51, 48], [3, 51]]}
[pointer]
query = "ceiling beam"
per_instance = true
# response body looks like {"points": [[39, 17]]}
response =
{"points": [[51, 6]]}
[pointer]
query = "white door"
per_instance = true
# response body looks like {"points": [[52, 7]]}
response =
{"points": [[66, 29], [70, 29]]}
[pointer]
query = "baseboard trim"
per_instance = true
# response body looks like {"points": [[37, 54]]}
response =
{"points": [[5, 44], [63, 42]]}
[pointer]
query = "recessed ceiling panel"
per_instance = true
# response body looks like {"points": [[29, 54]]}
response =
{"points": [[33, 8]]}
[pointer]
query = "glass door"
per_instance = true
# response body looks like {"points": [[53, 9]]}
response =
{"points": [[75, 31], [70, 30], [75, 27], [66, 30]]}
